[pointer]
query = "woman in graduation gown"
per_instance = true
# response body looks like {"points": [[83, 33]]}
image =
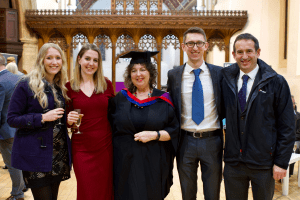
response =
{"points": [[145, 133]]}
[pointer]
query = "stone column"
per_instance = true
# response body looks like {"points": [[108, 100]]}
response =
{"points": [[30, 40]]}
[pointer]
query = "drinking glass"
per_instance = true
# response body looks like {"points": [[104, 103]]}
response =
{"points": [[78, 121], [60, 104], [294, 148]]}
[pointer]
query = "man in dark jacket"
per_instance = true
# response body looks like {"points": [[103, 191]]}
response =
{"points": [[297, 118], [297, 132], [259, 123], [8, 81]]}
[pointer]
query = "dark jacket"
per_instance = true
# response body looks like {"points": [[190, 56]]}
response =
{"points": [[269, 123], [8, 81], [297, 118], [25, 113]]}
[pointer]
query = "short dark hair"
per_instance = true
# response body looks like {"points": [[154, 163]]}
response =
{"points": [[246, 36], [194, 30], [2, 60], [152, 80]]}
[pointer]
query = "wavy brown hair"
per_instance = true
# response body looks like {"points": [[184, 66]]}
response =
{"points": [[152, 80]]}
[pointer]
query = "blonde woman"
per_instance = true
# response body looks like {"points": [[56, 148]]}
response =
{"points": [[41, 147], [90, 91], [12, 67]]}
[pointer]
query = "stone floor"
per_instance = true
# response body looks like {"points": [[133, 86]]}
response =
{"points": [[67, 189]]}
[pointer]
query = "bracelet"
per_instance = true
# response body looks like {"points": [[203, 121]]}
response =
{"points": [[158, 135]]}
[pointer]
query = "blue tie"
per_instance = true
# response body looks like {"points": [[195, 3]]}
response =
{"points": [[243, 91], [197, 99]]}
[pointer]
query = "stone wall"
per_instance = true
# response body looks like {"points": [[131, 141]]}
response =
{"points": [[266, 21]]}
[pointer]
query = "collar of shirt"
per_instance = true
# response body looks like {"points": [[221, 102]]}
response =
{"points": [[189, 69], [250, 82], [251, 74]]}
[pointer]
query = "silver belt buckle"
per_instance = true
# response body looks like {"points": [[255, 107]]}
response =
{"points": [[195, 135]]}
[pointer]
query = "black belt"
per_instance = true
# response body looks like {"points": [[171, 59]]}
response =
{"points": [[203, 134]]}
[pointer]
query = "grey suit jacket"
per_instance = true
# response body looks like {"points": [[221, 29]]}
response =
{"points": [[174, 88], [8, 81]]}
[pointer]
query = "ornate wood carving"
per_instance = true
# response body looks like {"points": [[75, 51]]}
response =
{"points": [[136, 19], [79, 38], [147, 43], [219, 42], [170, 40], [135, 25], [103, 39], [60, 41]]}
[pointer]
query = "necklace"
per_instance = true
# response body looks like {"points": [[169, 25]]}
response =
{"points": [[149, 94]]}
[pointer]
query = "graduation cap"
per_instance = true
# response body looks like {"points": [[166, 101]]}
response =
{"points": [[140, 56]]}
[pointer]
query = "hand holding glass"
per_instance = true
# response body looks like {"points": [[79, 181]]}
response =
{"points": [[78, 121], [60, 105], [294, 148]]}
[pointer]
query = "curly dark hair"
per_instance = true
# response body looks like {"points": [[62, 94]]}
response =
{"points": [[152, 80]]}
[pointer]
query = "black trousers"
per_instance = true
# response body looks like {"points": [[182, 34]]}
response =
{"points": [[237, 177], [207, 152]]}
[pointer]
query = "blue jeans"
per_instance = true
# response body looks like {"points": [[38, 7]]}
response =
{"points": [[16, 175]]}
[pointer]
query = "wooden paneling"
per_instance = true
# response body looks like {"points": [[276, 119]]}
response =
{"points": [[8, 25], [4, 3]]}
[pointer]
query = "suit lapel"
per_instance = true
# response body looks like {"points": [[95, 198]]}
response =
{"points": [[215, 82], [178, 80]]}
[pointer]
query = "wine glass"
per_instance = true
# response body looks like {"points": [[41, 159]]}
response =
{"points": [[78, 121], [60, 105], [294, 148]]}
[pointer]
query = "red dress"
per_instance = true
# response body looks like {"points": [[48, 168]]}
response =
{"points": [[92, 150]]}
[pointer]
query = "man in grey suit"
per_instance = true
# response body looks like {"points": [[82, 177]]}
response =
{"points": [[195, 90], [7, 84]]}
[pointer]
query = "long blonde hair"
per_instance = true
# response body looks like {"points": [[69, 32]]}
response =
{"points": [[12, 67], [99, 80], [36, 83]]}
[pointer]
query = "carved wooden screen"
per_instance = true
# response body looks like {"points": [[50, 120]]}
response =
{"points": [[103, 42], [124, 43], [79, 39], [147, 43], [60, 40], [170, 40], [170, 56], [216, 41]]}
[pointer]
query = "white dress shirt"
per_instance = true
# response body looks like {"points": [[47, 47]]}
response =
{"points": [[211, 118], [250, 82]]}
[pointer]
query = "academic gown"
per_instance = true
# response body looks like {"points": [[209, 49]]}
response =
{"points": [[142, 170]]}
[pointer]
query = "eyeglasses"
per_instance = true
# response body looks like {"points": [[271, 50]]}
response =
{"points": [[192, 44]]}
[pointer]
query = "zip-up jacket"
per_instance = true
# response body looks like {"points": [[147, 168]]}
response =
{"points": [[268, 133]]}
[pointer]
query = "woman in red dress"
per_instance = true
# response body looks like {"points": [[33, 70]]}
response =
{"points": [[90, 91]]}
